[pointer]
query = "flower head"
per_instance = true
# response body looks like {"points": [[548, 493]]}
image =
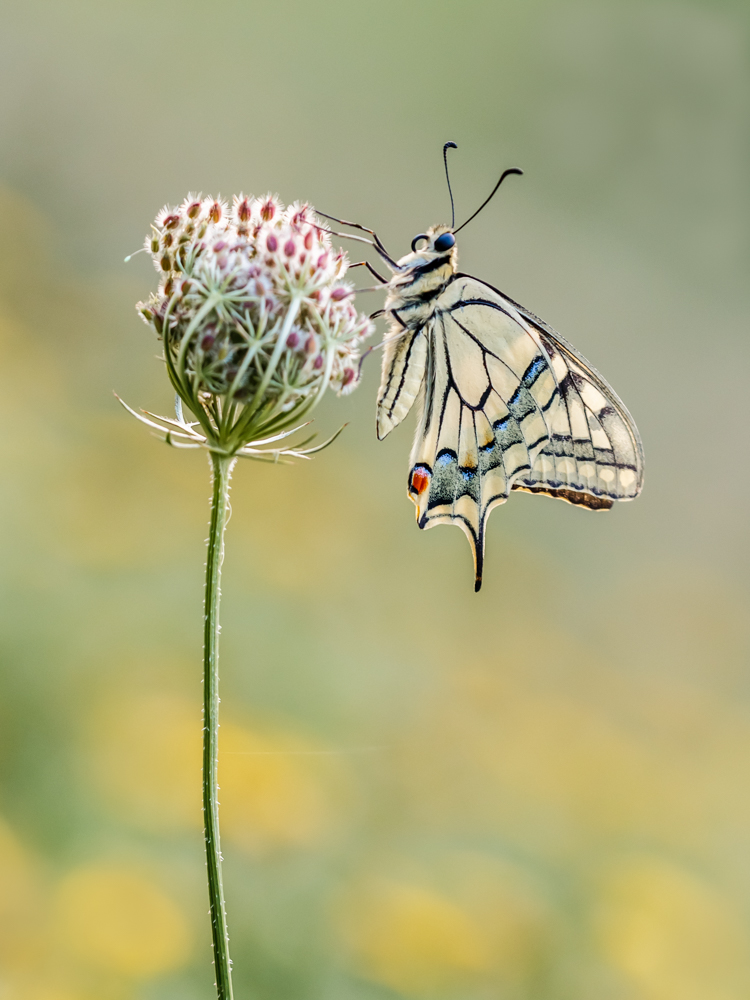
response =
{"points": [[255, 316]]}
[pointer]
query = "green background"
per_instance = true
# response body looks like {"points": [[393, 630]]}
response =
{"points": [[536, 792]]}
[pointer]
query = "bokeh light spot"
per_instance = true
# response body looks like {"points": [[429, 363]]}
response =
{"points": [[277, 789], [674, 935], [146, 759], [414, 940], [22, 924], [120, 921]]}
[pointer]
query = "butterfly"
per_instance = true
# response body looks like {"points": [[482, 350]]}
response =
{"points": [[504, 402]]}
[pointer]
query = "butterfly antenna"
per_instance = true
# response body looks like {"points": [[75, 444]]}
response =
{"points": [[505, 173], [446, 147]]}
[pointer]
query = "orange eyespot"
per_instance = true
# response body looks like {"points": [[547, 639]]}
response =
{"points": [[420, 480]]}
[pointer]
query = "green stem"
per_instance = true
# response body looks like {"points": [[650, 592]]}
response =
{"points": [[221, 468]]}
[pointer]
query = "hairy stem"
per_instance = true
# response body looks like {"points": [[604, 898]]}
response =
{"points": [[221, 468]]}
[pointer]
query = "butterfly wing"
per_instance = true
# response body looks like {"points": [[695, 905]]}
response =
{"points": [[507, 404], [404, 361], [595, 454]]}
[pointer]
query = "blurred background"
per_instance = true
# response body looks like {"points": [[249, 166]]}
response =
{"points": [[535, 793]]}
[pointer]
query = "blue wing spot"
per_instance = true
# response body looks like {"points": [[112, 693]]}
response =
{"points": [[532, 373]]}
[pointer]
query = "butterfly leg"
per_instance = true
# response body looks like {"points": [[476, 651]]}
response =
{"points": [[377, 242], [371, 269]]}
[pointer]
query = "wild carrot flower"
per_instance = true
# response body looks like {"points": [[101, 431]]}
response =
{"points": [[256, 321], [255, 317]]}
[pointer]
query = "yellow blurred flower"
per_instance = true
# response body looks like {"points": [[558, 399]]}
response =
{"points": [[277, 789], [674, 935], [118, 920], [507, 902], [146, 759], [35, 990], [413, 939], [22, 924]]}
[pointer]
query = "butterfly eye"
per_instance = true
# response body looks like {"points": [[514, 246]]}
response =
{"points": [[444, 242], [416, 240]]}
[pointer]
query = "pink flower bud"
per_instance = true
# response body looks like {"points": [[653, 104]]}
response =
{"points": [[348, 377], [207, 341], [339, 293], [322, 260], [308, 240], [289, 248], [243, 210], [171, 221], [318, 362], [218, 247], [272, 243], [292, 340], [215, 212], [268, 210]]}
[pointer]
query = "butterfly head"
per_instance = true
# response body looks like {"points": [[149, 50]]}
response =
{"points": [[434, 249]]}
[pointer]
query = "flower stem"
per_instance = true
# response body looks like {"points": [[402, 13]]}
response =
{"points": [[221, 468]]}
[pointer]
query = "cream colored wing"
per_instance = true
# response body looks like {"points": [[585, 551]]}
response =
{"points": [[595, 454], [404, 362], [507, 407]]}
